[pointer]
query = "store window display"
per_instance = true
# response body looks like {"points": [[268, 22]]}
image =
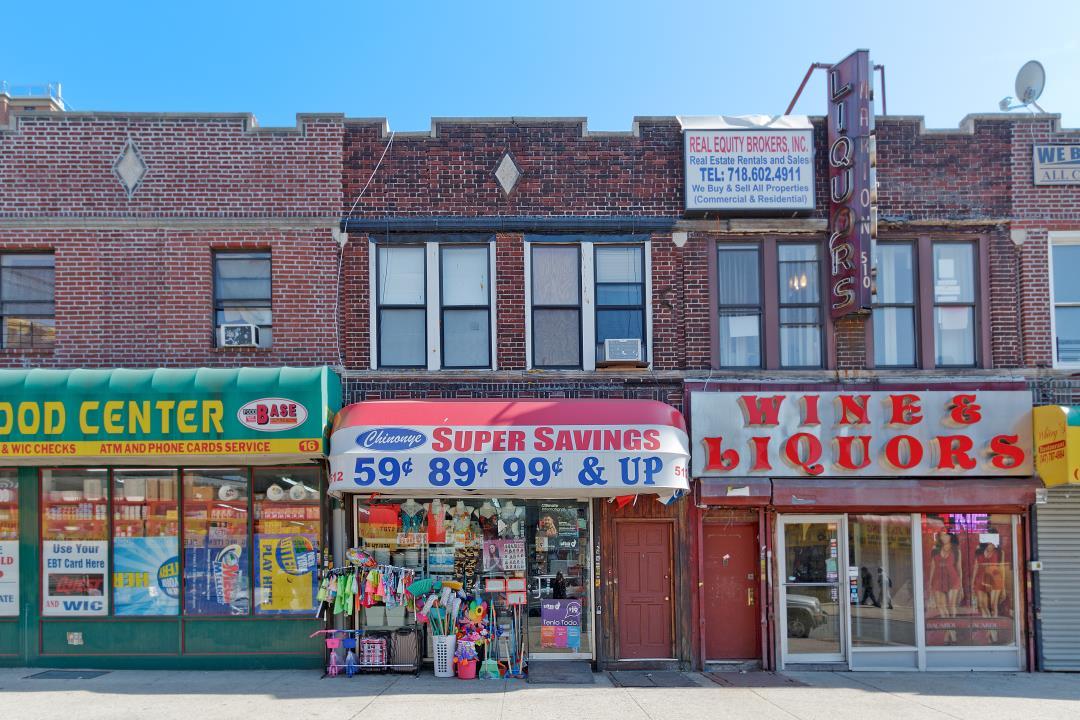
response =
{"points": [[146, 533], [542, 544], [287, 532], [74, 542], [968, 571], [216, 564], [9, 543]]}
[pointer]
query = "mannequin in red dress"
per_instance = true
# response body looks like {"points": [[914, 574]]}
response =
{"points": [[945, 582]]}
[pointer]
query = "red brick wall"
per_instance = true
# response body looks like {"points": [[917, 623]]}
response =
{"points": [[144, 298], [61, 164], [510, 301], [1038, 211]]}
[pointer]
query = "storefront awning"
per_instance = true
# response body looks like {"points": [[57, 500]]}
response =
{"points": [[881, 495], [538, 448], [211, 416], [1057, 444]]}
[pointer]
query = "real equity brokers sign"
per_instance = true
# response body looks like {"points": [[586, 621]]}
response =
{"points": [[852, 184], [830, 434], [745, 166]]}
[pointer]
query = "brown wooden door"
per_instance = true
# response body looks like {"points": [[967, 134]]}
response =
{"points": [[645, 597], [731, 592]]}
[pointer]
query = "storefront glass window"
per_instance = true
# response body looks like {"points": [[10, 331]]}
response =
{"points": [[74, 541], [146, 564], [811, 588], [216, 560], [537, 550], [880, 579], [968, 576], [286, 540], [9, 543]]}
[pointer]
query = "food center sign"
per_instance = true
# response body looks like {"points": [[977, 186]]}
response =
{"points": [[82, 416], [862, 434], [748, 164]]}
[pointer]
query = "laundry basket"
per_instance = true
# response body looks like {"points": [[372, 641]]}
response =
{"points": [[444, 655]]}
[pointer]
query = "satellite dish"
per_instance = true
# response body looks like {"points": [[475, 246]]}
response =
{"points": [[1030, 82]]}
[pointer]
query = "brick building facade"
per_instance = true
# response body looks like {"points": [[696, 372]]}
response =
{"points": [[133, 206]]}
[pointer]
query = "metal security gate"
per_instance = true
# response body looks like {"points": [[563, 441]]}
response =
{"points": [[1058, 523]]}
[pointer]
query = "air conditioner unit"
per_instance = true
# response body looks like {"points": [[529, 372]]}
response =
{"points": [[623, 350], [238, 335]]}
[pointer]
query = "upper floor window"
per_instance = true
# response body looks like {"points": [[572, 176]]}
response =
{"points": [[242, 293], [1065, 294], [566, 278], [433, 303], [954, 304], [895, 339], [620, 295], [739, 292], [27, 301], [800, 305], [926, 310]]}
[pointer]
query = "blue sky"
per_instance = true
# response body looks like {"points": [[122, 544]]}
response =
{"points": [[409, 61]]}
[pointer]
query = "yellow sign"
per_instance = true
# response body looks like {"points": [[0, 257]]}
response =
{"points": [[153, 448], [1057, 446]]}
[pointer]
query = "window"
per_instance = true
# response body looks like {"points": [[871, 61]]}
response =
{"points": [[27, 309], [894, 306], [402, 293], [242, 292], [800, 305], [286, 540], [146, 532], [620, 294], [556, 306], [954, 304], [74, 541], [9, 543], [466, 312], [880, 564], [739, 292], [1065, 291], [217, 576], [432, 304]]}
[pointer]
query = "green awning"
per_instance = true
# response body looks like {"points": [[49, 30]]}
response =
{"points": [[166, 416]]}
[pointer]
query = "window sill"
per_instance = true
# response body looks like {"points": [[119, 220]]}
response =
{"points": [[30, 353], [242, 350]]}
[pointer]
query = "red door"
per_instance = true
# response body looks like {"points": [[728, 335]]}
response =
{"points": [[731, 592], [645, 598]]}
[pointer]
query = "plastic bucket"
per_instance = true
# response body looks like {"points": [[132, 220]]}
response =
{"points": [[444, 646], [466, 669]]}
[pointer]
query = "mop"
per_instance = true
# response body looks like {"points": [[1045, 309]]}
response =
{"points": [[489, 669]]}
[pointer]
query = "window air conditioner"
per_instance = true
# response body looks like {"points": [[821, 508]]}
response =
{"points": [[623, 350], [238, 335]]}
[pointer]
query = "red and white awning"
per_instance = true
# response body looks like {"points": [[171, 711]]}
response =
{"points": [[513, 448]]}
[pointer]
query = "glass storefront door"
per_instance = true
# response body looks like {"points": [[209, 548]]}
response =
{"points": [[813, 623], [559, 579]]}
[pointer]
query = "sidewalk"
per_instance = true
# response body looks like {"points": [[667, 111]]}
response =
{"points": [[157, 695]]}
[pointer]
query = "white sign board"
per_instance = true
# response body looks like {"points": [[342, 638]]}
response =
{"points": [[545, 460], [75, 578], [755, 170], [862, 434], [1056, 164], [9, 578]]}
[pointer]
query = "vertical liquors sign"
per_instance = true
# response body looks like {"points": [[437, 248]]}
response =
{"points": [[852, 184]]}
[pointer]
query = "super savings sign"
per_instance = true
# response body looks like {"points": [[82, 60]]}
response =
{"points": [[862, 434], [570, 461]]}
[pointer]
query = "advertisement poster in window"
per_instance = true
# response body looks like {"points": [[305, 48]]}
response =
{"points": [[146, 576], [558, 525], [216, 579], [9, 578], [560, 623], [74, 580], [286, 573], [504, 555]]}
